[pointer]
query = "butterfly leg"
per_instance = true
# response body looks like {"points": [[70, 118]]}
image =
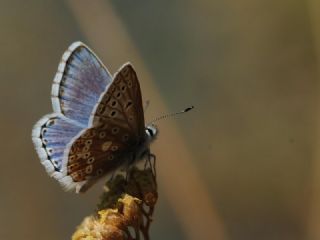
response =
{"points": [[129, 165], [150, 162], [147, 163], [153, 164]]}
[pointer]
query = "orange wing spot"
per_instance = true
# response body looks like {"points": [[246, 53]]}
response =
{"points": [[75, 176], [72, 167], [78, 176], [89, 133]]}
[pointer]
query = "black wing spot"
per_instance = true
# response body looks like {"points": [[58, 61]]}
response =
{"points": [[90, 160], [113, 113], [125, 137], [129, 103], [99, 172], [102, 135], [115, 130]]}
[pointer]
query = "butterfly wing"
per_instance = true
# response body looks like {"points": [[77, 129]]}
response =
{"points": [[80, 80], [50, 136], [117, 129], [121, 102], [77, 86]]}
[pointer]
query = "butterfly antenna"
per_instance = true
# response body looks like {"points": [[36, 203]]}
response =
{"points": [[171, 115]]}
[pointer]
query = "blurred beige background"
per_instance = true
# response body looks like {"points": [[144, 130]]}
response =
{"points": [[243, 165]]}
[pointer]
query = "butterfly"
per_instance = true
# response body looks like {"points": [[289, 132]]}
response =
{"points": [[97, 124]]}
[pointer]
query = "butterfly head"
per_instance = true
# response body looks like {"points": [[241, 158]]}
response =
{"points": [[151, 131]]}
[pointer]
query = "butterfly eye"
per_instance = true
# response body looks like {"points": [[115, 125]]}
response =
{"points": [[90, 160], [72, 158], [88, 142], [86, 155], [130, 84], [49, 151], [110, 157], [118, 95], [130, 118], [123, 88], [45, 141]]}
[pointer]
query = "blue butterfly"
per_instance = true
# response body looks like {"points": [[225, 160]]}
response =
{"points": [[97, 124]]}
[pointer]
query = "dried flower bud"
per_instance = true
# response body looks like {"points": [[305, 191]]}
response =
{"points": [[131, 210], [92, 229], [112, 217]]}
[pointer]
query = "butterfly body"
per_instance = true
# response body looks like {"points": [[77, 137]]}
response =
{"points": [[97, 124]]}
